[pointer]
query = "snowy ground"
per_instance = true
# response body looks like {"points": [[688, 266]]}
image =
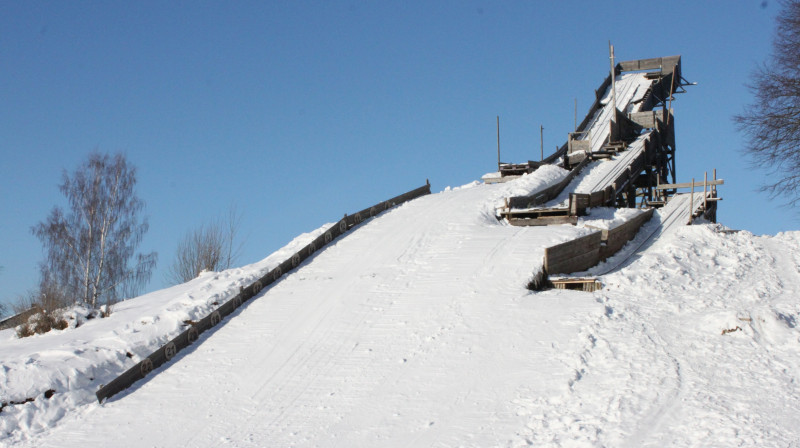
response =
{"points": [[416, 329]]}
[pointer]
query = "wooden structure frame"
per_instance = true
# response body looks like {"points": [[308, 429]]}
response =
{"points": [[637, 185]]}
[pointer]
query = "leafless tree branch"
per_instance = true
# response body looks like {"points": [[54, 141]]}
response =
{"points": [[210, 247], [772, 123]]}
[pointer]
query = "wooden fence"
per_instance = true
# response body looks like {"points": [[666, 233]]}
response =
{"points": [[18, 319], [192, 334]]}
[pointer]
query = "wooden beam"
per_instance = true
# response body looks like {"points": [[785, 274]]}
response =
{"points": [[687, 185]]}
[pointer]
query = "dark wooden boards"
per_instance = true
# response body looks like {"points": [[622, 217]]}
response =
{"points": [[583, 253]]}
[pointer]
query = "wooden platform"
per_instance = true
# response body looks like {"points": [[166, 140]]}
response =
{"points": [[518, 169], [511, 171], [540, 217], [586, 284]]}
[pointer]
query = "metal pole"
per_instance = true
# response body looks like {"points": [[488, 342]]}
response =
{"points": [[541, 140], [498, 143], [705, 198], [613, 78], [691, 204]]}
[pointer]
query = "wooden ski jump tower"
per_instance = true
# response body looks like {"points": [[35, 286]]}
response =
{"points": [[654, 114], [635, 124]]}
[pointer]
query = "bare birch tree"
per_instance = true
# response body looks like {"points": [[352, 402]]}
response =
{"points": [[90, 250], [211, 247], [772, 123]]}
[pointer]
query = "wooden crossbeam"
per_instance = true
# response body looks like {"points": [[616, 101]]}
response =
{"points": [[688, 185]]}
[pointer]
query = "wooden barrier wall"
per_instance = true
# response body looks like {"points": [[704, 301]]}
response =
{"points": [[573, 256], [666, 65], [547, 194], [191, 334], [617, 237], [583, 253]]}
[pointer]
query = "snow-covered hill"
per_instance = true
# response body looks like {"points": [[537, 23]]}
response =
{"points": [[416, 329]]}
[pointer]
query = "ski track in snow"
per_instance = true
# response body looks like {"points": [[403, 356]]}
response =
{"points": [[416, 330]]}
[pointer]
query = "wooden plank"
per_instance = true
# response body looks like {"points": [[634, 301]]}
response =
{"points": [[598, 198], [572, 256], [578, 284], [579, 145], [569, 280], [665, 64], [573, 248], [534, 213], [688, 185], [648, 119], [616, 238], [543, 221], [578, 203], [577, 263]]}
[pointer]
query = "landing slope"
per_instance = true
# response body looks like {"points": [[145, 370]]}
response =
{"points": [[415, 329]]}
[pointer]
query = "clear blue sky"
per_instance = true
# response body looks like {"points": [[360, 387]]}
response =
{"points": [[299, 112]]}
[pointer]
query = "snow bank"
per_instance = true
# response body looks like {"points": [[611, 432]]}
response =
{"points": [[698, 346], [76, 361]]}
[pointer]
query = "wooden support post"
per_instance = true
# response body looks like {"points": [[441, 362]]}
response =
{"points": [[705, 194], [715, 187], [671, 93], [658, 182]]}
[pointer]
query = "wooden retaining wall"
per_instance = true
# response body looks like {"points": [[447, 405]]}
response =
{"points": [[192, 334], [583, 253], [573, 256]]}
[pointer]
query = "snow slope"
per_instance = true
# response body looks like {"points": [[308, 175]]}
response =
{"points": [[698, 346], [416, 329]]}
